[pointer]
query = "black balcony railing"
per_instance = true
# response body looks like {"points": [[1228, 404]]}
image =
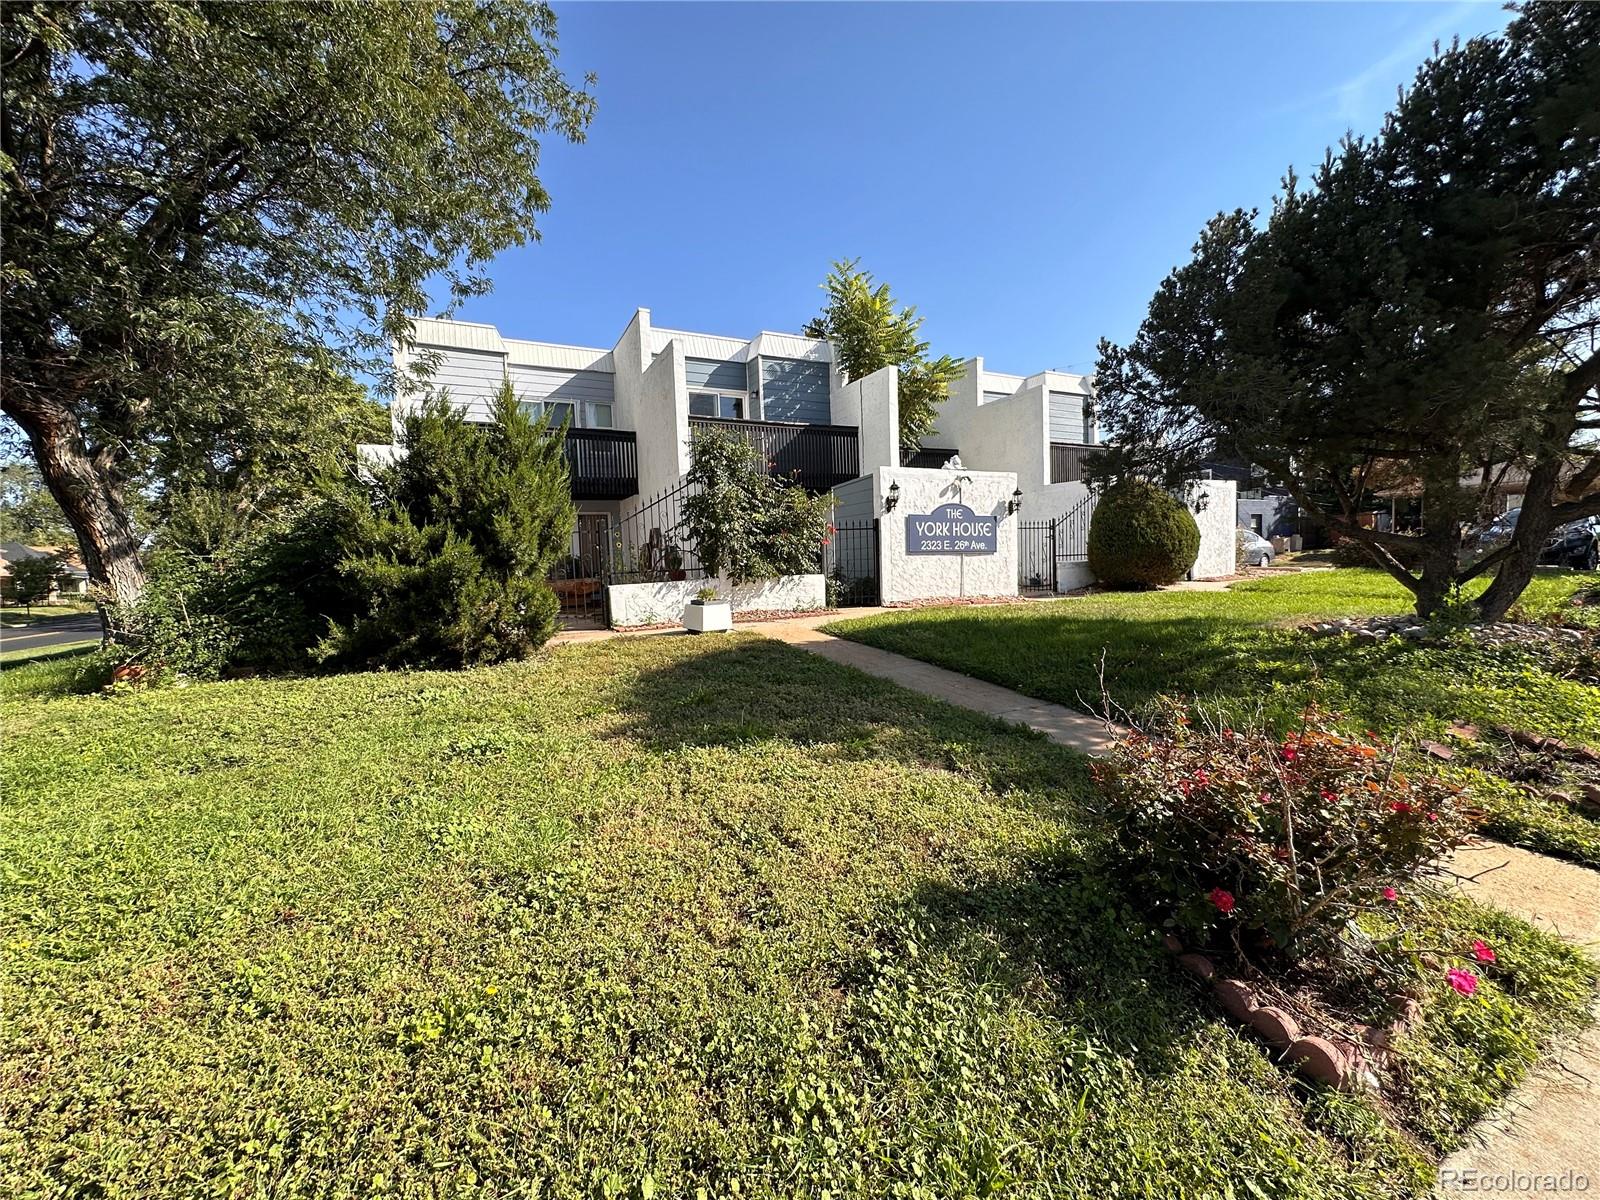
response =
{"points": [[1067, 461], [603, 463], [818, 457]]}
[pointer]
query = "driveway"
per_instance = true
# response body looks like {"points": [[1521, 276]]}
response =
{"points": [[64, 631]]}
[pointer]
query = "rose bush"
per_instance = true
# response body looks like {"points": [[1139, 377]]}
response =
{"points": [[1275, 842]]}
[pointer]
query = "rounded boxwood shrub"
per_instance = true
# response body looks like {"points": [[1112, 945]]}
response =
{"points": [[1141, 536]]}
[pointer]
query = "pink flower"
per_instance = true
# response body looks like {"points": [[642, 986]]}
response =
{"points": [[1391, 895], [1222, 899], [1464, 982], [1433, 817], [1266, 797], [1482, 951], [1289, 752]]}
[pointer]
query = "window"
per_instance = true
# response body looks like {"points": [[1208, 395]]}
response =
{"points": [[560, 411], [728, 405], [597, 414], [1255, 524]]}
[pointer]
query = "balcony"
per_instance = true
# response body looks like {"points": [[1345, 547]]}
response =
{"points": [[818, 457], [1067, 461], [603, 463]]}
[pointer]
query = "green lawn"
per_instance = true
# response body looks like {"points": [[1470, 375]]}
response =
{"points": [[1237, 651], [642, 917]]}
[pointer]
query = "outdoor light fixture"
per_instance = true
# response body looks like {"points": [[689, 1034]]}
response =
{"points": [[1016, 502], [892, 498], [1203, 502]]}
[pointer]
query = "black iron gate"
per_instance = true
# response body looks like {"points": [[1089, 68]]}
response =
{"points": [[850, 561], [579, 579], [1036, 558]]}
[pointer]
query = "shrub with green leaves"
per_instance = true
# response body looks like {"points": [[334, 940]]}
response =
{"points": [[453, 555], [745, 523], [258, 605], [1141, 536], [1232, 833]]}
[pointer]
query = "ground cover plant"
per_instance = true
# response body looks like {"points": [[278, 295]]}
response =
{"points": [[638, 919], [1238, 652]]}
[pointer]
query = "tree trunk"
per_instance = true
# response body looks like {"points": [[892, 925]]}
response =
{"points": [[1534, 524], [90, 498]]}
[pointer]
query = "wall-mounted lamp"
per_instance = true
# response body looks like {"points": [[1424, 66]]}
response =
{"points": [[892, 498], [1016, 502], [1202, 502]]}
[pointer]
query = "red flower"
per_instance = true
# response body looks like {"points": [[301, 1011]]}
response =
{"points": [[1391, 895], [1289, 752], [1481, 951], [1222, 899], [1464, 982], [1399, 806], [1327, 795]]}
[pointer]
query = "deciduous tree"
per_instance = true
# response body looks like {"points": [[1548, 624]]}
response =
{"points": [[869, 331], [193, 194]]}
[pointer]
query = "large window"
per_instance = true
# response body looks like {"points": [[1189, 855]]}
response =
{"points": [[561, 412], [729, 405], [597, 414]]}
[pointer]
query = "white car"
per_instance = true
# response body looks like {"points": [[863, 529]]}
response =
{"points": [[1255, 550]]}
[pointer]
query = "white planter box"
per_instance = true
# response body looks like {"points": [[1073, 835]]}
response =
{"points": [[713, 617]]}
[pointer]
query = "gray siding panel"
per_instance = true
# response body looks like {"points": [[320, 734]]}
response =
{"points": [[1066, 417], [713, 373], [473, 376], [991, 397], [551, 383], [792, 390], [853, 501]]}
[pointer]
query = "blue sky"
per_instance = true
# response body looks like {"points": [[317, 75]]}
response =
{"points": [[1024, 173]]}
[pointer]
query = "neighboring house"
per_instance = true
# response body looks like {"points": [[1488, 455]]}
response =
{"points": [[1040, 426], [72, 580]]}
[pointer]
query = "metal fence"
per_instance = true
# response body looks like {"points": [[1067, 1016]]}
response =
{"points": [[850, 561], [817, 457], [650, 544], [1043, 547]]}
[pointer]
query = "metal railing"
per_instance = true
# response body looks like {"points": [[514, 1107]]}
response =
{"points": [[603, 463], [650, 544], [1067, 459], [817, 457], [929, 456]]}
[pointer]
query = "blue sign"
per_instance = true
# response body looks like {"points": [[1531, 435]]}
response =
{"points": [[952, 529]]}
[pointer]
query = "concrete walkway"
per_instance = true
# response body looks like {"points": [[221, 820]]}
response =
{"points": [[1061, 725]]}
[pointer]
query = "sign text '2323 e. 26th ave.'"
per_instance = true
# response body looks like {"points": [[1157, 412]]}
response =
{"points": [[952, 529]]}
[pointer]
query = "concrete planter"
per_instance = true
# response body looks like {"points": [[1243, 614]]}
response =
{"points": [[708, 616]]}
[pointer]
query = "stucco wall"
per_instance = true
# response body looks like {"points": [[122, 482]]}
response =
{"points": [[1216, 522], [873, 406], [657, 603], [662, 421], [907, 577]]}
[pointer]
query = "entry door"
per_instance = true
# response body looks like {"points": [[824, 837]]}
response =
{"points": [[590, 537]]}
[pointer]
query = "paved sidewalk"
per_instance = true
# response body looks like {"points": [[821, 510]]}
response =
{"points": [[1064, 726]]}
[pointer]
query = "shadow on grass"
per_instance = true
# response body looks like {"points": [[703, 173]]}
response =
{"points": [[750, 690], [1050, 927]]}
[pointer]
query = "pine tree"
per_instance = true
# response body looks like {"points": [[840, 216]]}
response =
{"points": [[456, 552]]}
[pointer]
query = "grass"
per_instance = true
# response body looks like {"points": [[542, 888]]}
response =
{"points": [[638, 918], [41, 614], [1236, 650]]}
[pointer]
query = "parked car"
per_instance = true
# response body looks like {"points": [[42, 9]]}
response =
{"points": [[1255, 550], [1575, 544]]}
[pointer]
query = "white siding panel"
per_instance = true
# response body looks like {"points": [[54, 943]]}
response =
{"points": [[701, 345], [552, 354]]}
